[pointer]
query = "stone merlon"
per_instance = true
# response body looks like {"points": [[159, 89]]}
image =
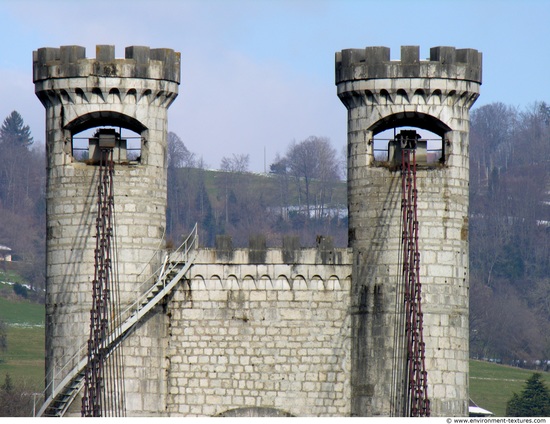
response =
{"points": [[375, 63], [139, 62]]}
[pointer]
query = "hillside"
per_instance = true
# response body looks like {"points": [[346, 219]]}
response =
{"points": [[243, 204], [509, 233], [268, 186]]}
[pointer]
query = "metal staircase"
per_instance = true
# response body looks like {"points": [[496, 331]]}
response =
{"points": [[175, 266]]}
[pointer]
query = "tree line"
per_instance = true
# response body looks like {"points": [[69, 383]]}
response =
{"points": [[510, 233], [22, 199]]}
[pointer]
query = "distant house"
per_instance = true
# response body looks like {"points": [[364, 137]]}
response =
{"points": [[5, 253]]}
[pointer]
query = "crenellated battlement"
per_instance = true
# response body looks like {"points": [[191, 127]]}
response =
{"points": [[375, 63], [139, 62]]}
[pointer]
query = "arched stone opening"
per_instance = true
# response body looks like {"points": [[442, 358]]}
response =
{"points": [[104, 119], [432, 138], [86, 130]]}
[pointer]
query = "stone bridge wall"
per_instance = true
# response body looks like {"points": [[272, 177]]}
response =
{"points": [[265, 337]]}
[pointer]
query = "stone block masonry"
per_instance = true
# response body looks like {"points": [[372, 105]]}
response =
{"points": [[261, 339]]}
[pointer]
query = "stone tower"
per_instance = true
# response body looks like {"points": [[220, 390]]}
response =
{"points": [[434, 95], [81, 93]]}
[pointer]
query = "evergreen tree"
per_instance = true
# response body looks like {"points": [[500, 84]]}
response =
{"points": [[206, 217], [17, 165], [14, 131], [534, 400]]}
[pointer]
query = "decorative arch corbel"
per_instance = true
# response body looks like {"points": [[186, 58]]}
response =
{"points": [[104, 119], [410, 119]]}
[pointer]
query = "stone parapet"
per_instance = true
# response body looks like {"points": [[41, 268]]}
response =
{"points": [[139, 62], [309, 271], [375, 63], [274, 256]]}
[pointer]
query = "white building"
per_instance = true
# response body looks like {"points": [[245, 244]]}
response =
{"points": [[5, 253]]}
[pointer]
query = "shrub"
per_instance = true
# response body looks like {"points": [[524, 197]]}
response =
{"points": [[20, 290]]}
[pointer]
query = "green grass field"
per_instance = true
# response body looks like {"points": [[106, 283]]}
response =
{"points": [[21, 312], [24, 358], [492, 385]]}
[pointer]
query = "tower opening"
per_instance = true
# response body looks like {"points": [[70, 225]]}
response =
{"points": [[130, 137], [126, 145], [387, 147]]}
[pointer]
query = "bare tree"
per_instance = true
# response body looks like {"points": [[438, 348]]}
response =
{"points": [[16, 398], [236, 163], [491, 139], [182, 187], [313, 159], [510, 231], [279, 168], [178, 155], [231, 184]]}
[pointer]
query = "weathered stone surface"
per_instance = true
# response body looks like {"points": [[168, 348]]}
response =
{"points": [[374, 63], [139, 62]]}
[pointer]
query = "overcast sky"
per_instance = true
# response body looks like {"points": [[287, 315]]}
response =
{"points": [[257, 75]]}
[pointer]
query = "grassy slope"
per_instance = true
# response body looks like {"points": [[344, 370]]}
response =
{"points": [[21, 312], [492, 385], [268, 186], [24, 358]]}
